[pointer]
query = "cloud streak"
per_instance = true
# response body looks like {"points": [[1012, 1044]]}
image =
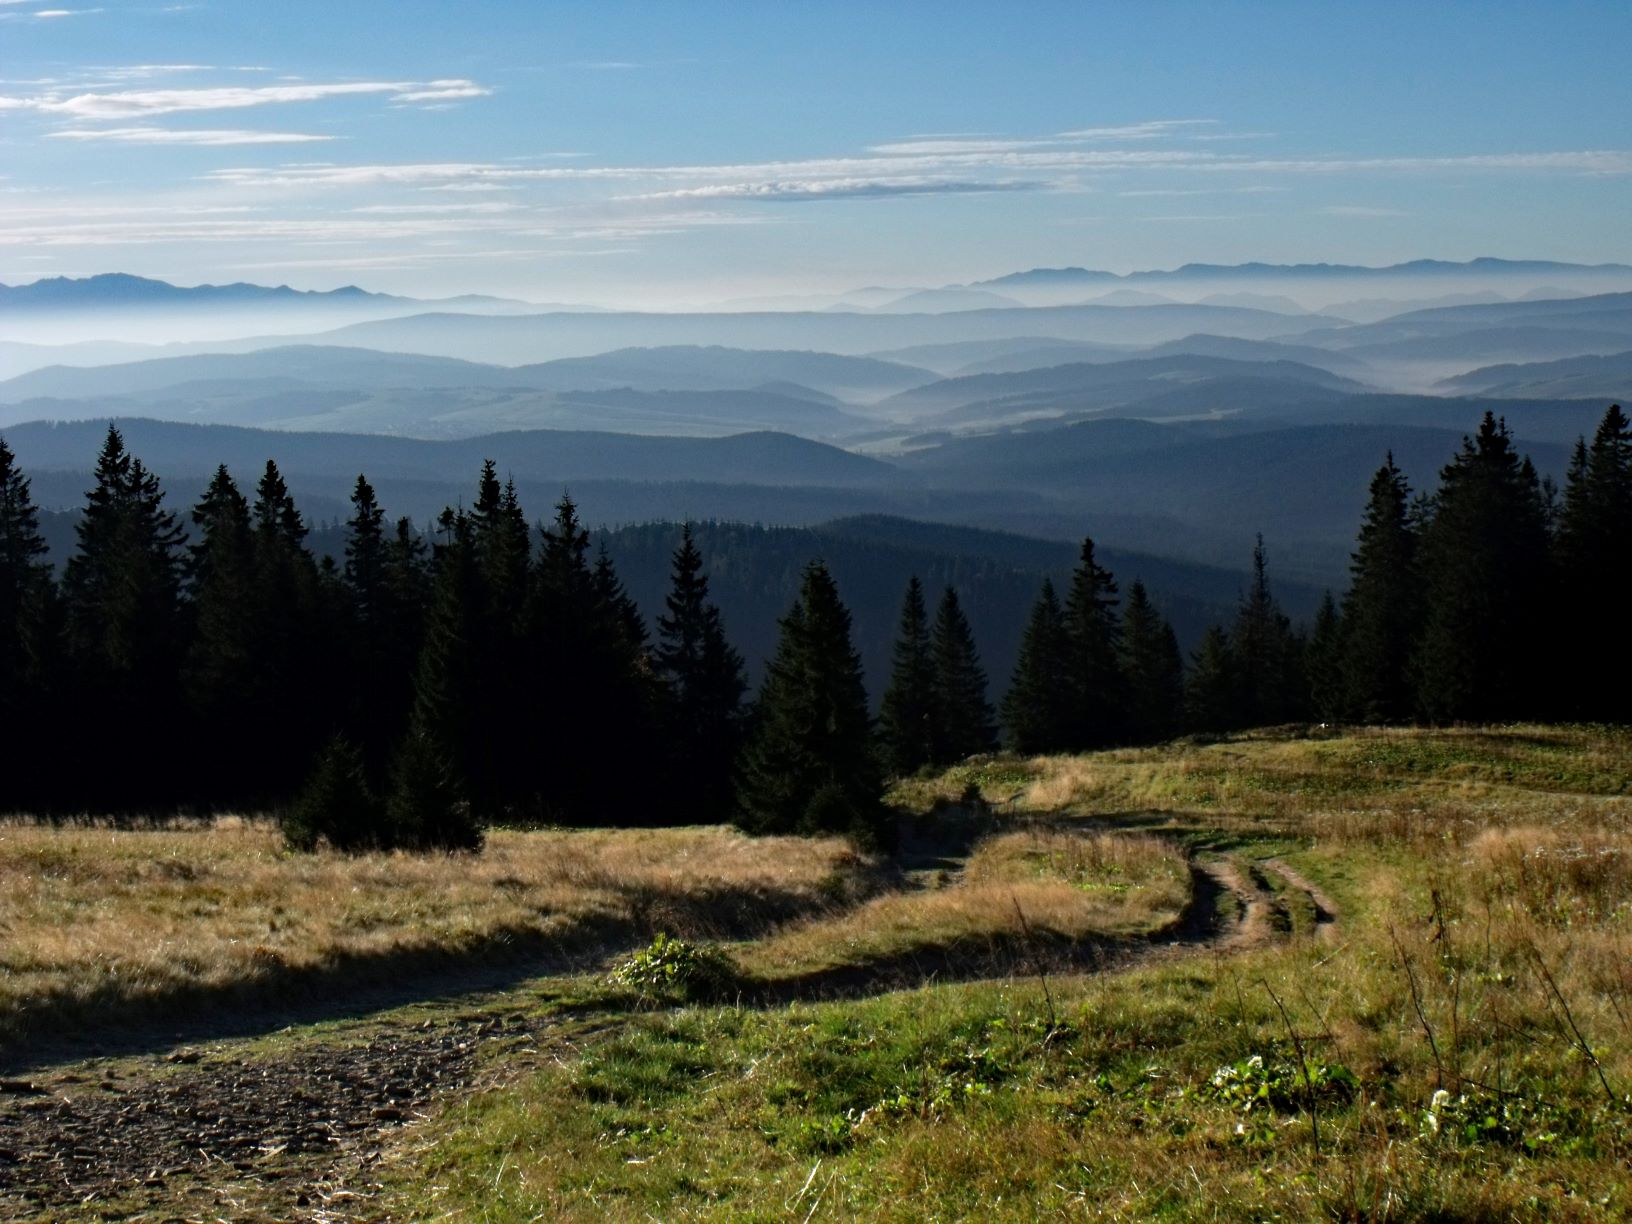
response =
{"points": [[784, 191], [145, 103], [206, 137]]}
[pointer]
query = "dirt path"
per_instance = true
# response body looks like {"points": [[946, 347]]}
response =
{"points": [[281, 1135], [1325, 909], [290, 1130]]}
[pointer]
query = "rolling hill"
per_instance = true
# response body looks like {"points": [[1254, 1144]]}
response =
{"points": [[773, 459], [1589, 377]]}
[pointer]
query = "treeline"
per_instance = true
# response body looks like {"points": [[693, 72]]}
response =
{"points": [[422, 689]]}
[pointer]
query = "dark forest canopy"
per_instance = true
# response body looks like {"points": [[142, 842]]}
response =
{"points": [[410, 686]]}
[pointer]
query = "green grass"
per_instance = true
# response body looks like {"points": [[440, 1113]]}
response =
{"points": [[1469, 868]]}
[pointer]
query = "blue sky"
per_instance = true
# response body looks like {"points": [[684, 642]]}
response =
{"points": [[684, 152]]}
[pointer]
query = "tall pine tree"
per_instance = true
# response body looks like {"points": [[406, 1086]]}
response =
{"points": [[1383, 608], [1486, 580], [1212, 687], [28, 639], [960, 716], [704, 680], [1268, 655], [1092, 634], [1595, 525], [906, 720], [810, 767], [223, 667], [1039, 709], [122, 603], [1152, 669], [1323, 662]]}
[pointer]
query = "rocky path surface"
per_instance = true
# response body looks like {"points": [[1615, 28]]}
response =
{"points": [[280, 1134], [290, 1128]]}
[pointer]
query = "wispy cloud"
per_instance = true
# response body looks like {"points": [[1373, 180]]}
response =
{"points": [[833, 189], [442, 91], [12, 14], [970, 170], [210, 137], [1150, 129], [142, 103]]}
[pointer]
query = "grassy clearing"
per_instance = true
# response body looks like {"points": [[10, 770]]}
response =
{"points": [[103, 924], [1461, 1050], [1050, 886]]}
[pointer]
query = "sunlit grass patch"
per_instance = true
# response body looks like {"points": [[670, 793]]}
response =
{"points": [[1016, 886], [96, 919]]}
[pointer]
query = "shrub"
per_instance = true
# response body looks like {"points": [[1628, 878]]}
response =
{"points": [[336, 805], [426, 812], [671, 968]]}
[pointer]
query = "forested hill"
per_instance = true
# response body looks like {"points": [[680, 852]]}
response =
{"points": [[754, 574], [177, 450]]}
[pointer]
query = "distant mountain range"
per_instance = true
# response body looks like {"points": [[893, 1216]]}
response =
{"points": [[120, 291], [1484, 266]]}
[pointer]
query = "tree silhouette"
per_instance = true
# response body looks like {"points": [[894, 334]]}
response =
{"points": [[810, 766], [907, 715], [961, 719], [1152, 669], [1486, 576], [1382, 611], [705, 682], [1040, 707]]}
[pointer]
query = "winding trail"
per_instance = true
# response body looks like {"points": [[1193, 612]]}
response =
{"points": [[290, 1128]]}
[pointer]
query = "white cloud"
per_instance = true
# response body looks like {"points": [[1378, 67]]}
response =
{"points": [[830, 189], [211, 137], [142, 103], [1150, 129], [441, 91]]}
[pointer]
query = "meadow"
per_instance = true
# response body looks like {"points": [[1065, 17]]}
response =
{"points": [[1438, 1029], [1346, 975]]}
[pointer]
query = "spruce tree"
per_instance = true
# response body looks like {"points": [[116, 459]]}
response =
{"points": [[1039, 708], [601, 705], [1323, 662], [961, 719], [365, 568], [1152, 670], [622, 615], [907, 723], [1269, 666], [294, 707], [336, 805], [1382, 611], [425, 810], [224, 665], [810, 767], [503, 548], [1092, 633], [1595, 524], [1212, 687], [1486, 578], [446, 683], [122, 607], [28, 639], [703, 675]]}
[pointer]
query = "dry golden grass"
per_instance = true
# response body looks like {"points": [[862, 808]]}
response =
{"points": [[96, 917], [1067, 885]]}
